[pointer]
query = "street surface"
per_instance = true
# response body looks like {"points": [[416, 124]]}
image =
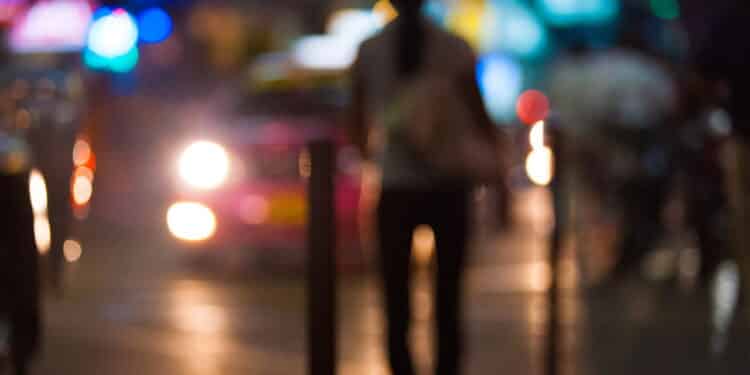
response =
{"points": [[132, 305]]}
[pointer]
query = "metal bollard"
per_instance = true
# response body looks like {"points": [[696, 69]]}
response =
{"points": [[554, 333], [321, 265]]}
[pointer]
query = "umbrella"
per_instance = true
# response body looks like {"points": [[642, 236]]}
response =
{"points": [[616, 88]]}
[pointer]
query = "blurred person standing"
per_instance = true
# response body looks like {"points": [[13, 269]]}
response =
{"points": [[19, 260], [20, 289], [702, 178], [721, 55], [643, 124], [52, 136], [643, 195], [417, 112], [619, 105]]}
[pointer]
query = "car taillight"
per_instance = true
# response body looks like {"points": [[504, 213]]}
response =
{"points": [[82, 180]]}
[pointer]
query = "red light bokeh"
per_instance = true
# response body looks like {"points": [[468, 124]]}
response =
{"points": [[532, 106]]}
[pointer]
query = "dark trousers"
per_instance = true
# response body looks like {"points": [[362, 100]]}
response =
{"points": [[642, 202], [399, 213], [705, 210]]}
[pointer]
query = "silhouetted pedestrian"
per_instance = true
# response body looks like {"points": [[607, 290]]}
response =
{"points": [[418, 113], [19, 260], [52, 136]]}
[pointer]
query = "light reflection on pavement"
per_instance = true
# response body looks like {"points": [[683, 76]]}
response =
{"points": [[132, 307]]}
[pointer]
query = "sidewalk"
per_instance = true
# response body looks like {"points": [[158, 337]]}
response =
{"points": [[131, 309]]}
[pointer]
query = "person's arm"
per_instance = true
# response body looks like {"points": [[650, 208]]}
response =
{"points": [[469, 87], [470, 92]]}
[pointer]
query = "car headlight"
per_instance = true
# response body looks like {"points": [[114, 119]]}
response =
{"points": [[191, 221], [82, 186], [204, 165]]}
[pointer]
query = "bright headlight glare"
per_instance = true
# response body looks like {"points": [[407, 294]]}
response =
{"points": [[190, 221], [38, 192], [204, 165]]}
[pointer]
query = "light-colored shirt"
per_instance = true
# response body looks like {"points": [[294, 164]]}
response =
{"points": [[376, 71]]}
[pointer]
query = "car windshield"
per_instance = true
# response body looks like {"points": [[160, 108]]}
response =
{"points": [[280, 122], [317, 102], [274, 162]]}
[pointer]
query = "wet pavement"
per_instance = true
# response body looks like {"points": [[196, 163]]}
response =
{"points": [[132, 305]]}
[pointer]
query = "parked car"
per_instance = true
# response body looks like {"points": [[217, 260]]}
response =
{"points": [[241, 191]]}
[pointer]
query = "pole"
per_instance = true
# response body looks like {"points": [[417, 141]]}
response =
{"points": [[555, 245], [321, 266]]}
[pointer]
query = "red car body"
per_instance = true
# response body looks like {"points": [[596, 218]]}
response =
{"points": [[261, 210]]}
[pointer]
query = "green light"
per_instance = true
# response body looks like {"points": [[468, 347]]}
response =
{"points": [[94, 61], [565, 13], [125, 63], [120, 64], [665, 9], [512, 27]]}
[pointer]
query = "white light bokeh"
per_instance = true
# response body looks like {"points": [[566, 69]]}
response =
{"points": [[539, 166], [113, 35], [325, 52], [38, 192], [536, 135], [336, 50], [52, 26], [191, 221], [42, 234], [204, 165], [725, 293], [355, 24]]}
